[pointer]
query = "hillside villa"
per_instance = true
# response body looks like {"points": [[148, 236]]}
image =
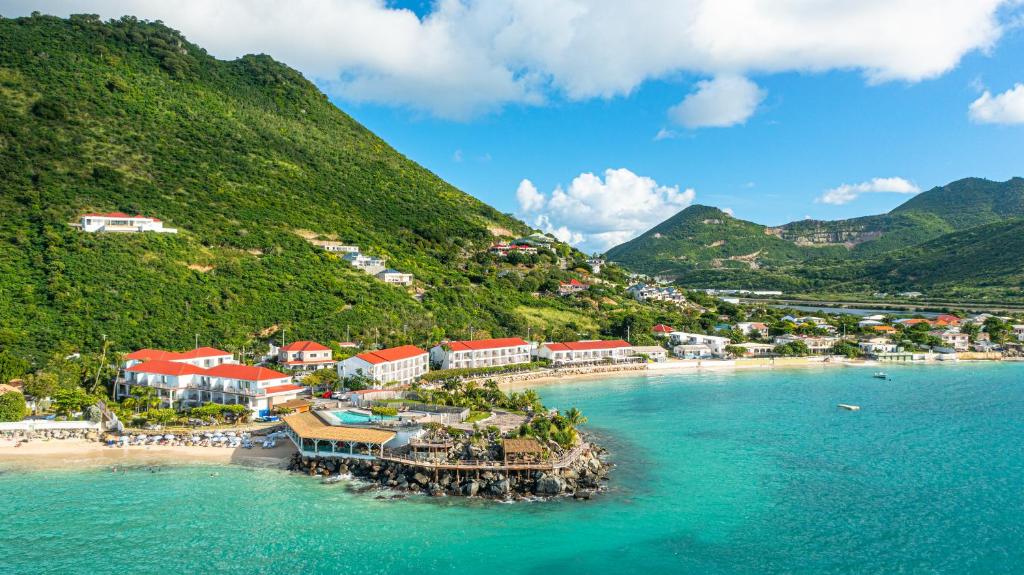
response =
{"points": [[335, 247], [305, 356], [1018, 332], [480, 353], [181, 380], [661, 330], [392, 366], [122, 222], [585, 351], [506, 249], [392, 276], [368, 264], [571, 287]]}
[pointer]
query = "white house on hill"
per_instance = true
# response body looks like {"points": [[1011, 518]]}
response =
{"points": [[122, 222]]}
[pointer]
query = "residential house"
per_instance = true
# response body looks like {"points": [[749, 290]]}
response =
{"points": [[572, 286], [587, 351], [753, 328], [753, 349], [369, 264], [953, 338], [877, 345], [716, 344], [595, 264], [395, 277], [947, 320], [692, 351], [661, 330], [506, 249], [335, 247], [180, 384], [1018, 331], [910, 294], [305, 356], [122, 222], [392, 366], [816, 344], [654, 353], [480, 353], [883, 329]]}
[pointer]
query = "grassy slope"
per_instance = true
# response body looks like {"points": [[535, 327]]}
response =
{"points": [[240, 156]]}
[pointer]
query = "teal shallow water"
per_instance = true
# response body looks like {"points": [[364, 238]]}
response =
{"points": [[716, 473]]}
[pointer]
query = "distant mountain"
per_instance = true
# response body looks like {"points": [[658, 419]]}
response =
{"points": [[706, 247]]}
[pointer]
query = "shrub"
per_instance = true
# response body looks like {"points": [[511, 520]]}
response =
{"points": [[12, 406]]}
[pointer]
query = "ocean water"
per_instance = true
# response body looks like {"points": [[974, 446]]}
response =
{"points": [[716, 473]]}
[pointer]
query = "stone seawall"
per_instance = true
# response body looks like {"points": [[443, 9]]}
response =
{"points": [[562, 372], [580, 480]]}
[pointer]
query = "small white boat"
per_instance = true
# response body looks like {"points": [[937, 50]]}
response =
{"points": [[849, 407], [881, 375]]}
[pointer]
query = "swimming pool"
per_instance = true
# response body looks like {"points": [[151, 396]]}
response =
{"points": [[349, 416]]}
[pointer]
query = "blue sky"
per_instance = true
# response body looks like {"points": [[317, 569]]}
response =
{"points": [[597, 120]]}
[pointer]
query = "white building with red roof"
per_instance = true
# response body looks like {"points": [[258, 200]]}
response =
{"points": [[480, 353], [204, 375], [305, 356], [661, 330], [571, 287], [122, 222], [392, 366], [586, 351]]}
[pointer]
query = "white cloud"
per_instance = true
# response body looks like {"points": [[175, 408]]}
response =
{"points": [[728, 211], [595, 213], [846, 193], [1005, 108], [471, 56], [725, 101]]}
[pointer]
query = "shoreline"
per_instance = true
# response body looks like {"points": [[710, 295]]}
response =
{"points": [[81, 453]]}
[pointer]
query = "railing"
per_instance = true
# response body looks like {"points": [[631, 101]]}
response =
{"points": [[565, 460]]}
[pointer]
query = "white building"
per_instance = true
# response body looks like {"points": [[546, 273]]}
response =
{"points": [[122, 222], [369, 264], [953, 338], [692, 351], [1018, 331], [595, 264], [180, 384], [506, 249], [753, 328], [397, 365], [480, 353], [585, 351], [714, 343], [199, 357], [816, 344], [654, 353], [878, 345], [752, 349], [305, 356], [335, 247], [394, 277]]}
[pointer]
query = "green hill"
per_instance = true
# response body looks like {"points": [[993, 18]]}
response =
{"points": [[249, 160], [703, 247]]}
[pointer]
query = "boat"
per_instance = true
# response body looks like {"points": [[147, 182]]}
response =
{"points": [[849, 407], [881, 375]]}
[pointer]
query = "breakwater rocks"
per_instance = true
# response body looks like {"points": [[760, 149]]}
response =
{"points": [[580, 479], [48, 434], [561, 372]]}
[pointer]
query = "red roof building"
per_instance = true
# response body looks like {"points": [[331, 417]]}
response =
{"points": [[393, 366], [586, 351], [305, 355], [662, 330]]}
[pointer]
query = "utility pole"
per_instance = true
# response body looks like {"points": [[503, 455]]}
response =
{"points": [[197, 341], [627, 332]]}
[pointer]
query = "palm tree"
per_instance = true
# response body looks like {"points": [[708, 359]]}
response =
{"points": [[575, 417]]}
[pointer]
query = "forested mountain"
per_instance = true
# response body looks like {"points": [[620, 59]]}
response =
{"points": [[249, 161], [704, 247]]}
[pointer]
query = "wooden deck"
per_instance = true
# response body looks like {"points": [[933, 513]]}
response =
{"points": [[565, 460]]}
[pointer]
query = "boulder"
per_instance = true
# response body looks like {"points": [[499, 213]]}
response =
{"points": [[550, 485], [471, 488], [421, 479]]}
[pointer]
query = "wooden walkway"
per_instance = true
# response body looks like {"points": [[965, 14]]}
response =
{"points": [[564, 461]]}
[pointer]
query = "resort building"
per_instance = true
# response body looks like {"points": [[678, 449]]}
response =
{"points": [[753, 328], [315, 438], [121, 222], [1018, 331], [480, 353], [752, 349], [716, 344], [393, 366], [953, 339], [877, 345], [369, 264], [396, 277], [182, 385], [586, 351], [305, 356], [572, 286], [692, 351]]}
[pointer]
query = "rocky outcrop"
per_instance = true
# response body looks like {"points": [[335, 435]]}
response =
{"points": [[580, 480]]}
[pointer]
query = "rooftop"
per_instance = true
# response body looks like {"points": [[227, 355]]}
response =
{"points": [[485, 343], [390, 354], [587, 345], [309, 426], [305, 346]]}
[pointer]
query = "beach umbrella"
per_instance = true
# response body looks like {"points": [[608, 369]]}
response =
{"points": [[169, 436]]}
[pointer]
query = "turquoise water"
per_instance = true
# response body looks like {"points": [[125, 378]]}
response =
{"points": [[356, 417], [716, 473]]}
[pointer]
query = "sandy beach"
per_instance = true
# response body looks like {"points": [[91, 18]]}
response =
{"points": [[65, 453]]}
